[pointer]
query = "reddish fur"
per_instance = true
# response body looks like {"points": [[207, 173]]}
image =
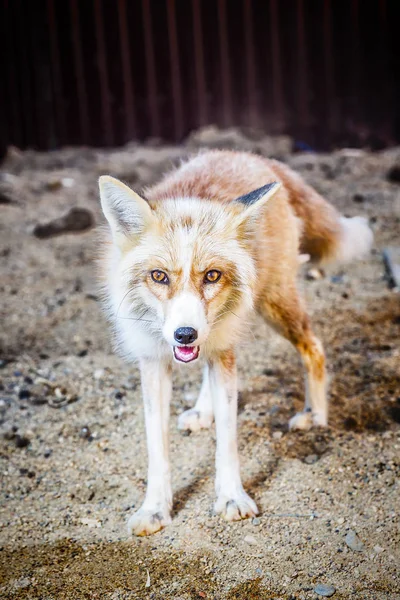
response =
{"points": [[224, 177]]}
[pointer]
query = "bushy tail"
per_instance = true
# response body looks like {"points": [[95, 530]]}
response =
{"points": [[355, 240], [326, 235]]}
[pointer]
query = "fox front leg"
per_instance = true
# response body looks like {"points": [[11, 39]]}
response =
{"points": [[232, 501], [201, 415], [154, 514]]}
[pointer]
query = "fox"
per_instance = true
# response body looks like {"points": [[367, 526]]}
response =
{"points": [[185, 265]]}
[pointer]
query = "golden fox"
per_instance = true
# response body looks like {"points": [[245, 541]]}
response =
{"points": [[185, 266]]}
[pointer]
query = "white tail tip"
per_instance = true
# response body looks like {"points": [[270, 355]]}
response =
{"points": [[356, 240]]}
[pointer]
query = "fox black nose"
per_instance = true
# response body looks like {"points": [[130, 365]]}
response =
{"points": [[185, 335]]}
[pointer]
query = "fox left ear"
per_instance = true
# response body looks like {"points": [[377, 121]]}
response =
{"points": [[255, 200], [126, 212]]}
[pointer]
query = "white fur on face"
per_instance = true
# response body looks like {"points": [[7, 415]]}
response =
{"points": [[186, 310], [146, 321]]}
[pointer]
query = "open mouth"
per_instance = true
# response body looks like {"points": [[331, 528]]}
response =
{"points": [[186, 353]]}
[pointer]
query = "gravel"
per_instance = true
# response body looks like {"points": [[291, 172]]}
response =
{"points": [[63, 529]]}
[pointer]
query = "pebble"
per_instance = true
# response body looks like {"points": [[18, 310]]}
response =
{"points": [[4, 404], [353, 541], [337, 279], [277, 435], [311, 459], [91, 522], [256, 521], [24, 394], [393, 175], [249, 539], [76, 219], [68, 182], [21, 441], [323, 589], [85, 433], [98, 374], [39, 393], [314, 274]]}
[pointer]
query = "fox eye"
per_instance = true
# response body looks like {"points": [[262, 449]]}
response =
{"points": [[212, 276], [159, 277]]}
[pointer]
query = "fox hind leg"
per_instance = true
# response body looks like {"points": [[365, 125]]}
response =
{"points": [[201, 415], [289, 319]]}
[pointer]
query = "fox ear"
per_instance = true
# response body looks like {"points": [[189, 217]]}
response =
{"points": [[126, 212], [255, 200]]}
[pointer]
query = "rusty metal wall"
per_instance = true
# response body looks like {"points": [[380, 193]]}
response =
{"points": [[103, 72]]}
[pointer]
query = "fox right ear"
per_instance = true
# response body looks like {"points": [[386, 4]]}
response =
{"points": [[126, 212]]}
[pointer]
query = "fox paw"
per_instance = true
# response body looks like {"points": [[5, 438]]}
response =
{"points": [[147, 521], [306, 419], [194, 420], [241, 506]]}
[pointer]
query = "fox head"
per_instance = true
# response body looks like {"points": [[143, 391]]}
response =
{"points": [[185, 267]]}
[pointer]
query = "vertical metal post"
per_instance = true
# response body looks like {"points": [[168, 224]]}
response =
{"points": [[250, 63], [225, 64], [175, 70], [129, 103], [277, 82], [199, 63], [103, 73], [151, 70], [79, 72]]}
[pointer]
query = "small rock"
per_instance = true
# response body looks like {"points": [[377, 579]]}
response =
{"points": [[77, 219], [323, 589], [353, 541], [4, 404], [98, 374], [378, 549], [256, 521], [210, 524], [53, 185], [68, 182], [314, 274], [311, 459], [91, 522], [249, 539], [393, 175], [277, 435], [21, 441], [9, 435], [391, 258], [24, 394], [39, 393], [85, 433], [8, 186]]}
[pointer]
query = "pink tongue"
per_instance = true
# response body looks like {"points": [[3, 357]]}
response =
{"points": [[186, 353]]}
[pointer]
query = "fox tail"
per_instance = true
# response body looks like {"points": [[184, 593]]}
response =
{"points": [[326, 236]]}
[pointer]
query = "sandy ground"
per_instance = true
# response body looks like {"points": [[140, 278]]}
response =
{"points": [[72, 447]]}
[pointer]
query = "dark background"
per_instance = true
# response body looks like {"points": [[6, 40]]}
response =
{"points": [[103, 72]]}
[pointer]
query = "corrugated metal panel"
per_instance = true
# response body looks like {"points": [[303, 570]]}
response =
{"points": [[102, 72]]}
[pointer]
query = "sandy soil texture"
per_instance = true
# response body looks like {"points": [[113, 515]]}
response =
{"points": [[72, 444]]}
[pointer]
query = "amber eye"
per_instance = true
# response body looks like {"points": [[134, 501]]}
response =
{"points": [[212, 276], [159, 277]]}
